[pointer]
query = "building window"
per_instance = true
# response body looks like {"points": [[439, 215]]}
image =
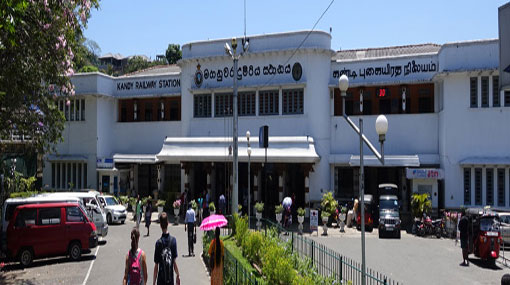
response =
{"points": [[223, 104], [63, 184], [501, 187], [53, 175], [58, 175], [123, 111], [175, 109], [148, 111], [495, 92], [473, 91], [268, 102], [292, 101], [202, 105], [485, 91], [161, 111], [247, 103], [66, 106], [467, 186], [80, 184], [68, 179], [135, 111], [83, 109], [507, 98], [489, 186], [85, 176], [72, 110], [478, 186]]}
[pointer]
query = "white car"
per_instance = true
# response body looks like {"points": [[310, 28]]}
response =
{"points": [[115, 212], [504, 219]]}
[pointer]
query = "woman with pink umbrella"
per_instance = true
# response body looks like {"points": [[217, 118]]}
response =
{"points": [[216, 248]]}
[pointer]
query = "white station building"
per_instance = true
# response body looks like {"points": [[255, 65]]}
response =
{"points": [[167, 129]]}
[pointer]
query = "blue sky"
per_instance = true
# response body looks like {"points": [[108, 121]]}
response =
{"points": [[147, 27]]}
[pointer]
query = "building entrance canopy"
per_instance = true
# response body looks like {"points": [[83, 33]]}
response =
{"points": [[204, 149]]}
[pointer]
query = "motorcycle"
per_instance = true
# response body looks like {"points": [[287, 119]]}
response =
{"points": [[430, 227]]}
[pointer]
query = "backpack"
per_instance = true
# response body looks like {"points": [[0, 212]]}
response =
{"points": [[135, 272], [167, 261]]}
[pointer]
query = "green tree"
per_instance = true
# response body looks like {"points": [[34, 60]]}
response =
{"points": [[420, 203], [173, 53], [136, 63], [86, 56], [37, 44]]}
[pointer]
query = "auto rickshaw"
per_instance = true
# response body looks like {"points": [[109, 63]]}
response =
{"points": [[484, 237], [369, 218]]}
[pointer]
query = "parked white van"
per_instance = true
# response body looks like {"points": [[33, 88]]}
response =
{"points": [[91, 203]]}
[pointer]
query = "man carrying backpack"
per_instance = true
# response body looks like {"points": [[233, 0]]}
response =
{"points": [[164, 256]]}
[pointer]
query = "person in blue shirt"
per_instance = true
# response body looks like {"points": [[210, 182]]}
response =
{"points": [[189, 225]]}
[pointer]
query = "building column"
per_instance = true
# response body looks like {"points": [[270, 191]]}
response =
{"points": [[135, 180], [185, 174], [257, 183], [160, 184]]}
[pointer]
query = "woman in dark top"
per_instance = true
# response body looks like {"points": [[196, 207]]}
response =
{"points": [[148, 214]]}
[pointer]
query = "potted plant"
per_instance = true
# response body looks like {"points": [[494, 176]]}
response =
{"points": [[144, 202], [212, 208], [278, 210], [341, 218], [177, 206], [325, 217], [300, 219], [160, 204], [259, 208], [329, 204]]}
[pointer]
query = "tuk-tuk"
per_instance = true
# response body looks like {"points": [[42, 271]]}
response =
{"points": [[484, 237], [369, 218]]}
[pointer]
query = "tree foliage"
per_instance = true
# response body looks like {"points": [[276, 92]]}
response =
{"points": [[420, 203], [38, 41], [173, 53]]}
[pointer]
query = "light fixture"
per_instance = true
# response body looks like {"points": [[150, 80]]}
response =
{"points": [[343, 84], [248, 135], [228, 50], [381, 127]]}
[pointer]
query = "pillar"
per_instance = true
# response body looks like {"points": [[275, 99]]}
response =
{"points": [[280, 187], [160, 184]]}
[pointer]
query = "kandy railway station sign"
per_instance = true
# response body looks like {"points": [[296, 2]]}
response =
{"points": [[405, 69], [148, 84]]}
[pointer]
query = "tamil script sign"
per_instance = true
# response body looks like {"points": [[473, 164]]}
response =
{"points": [[385, 70], [102, 162], [424, 173]]}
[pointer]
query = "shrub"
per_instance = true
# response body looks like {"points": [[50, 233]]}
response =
{"points": [[160, 203], [124, 199], [420, 203], [241, 230], [328, 203], [212, 207], [23, 194], [146, 199], [276, 266], [259, 207], [239, 208], [278, 209], [300, 212], [325, 215], [252, 246], [194, 205]]}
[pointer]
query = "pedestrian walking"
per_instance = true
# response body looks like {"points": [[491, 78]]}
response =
{"points": [[164, 256], [464, 234], [222, 203], [138, 213], [148, 215], [189, 223], [216, 253], [135, 272], [200, 201]]}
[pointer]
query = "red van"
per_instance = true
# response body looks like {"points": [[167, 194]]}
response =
{"points": [[40, 230]]}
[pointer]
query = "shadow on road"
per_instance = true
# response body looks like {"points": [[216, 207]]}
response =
{"points": [[44, 262], [9, 278], [484, 264]]}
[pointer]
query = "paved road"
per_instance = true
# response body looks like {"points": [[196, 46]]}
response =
{"points": [[108, 264], [414, 260]]}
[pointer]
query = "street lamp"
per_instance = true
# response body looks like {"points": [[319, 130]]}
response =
{"points": [[249, 175], [235, 57], [381, 127]]}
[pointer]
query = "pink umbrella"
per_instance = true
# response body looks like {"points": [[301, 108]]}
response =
{"points": [[213, 221]]}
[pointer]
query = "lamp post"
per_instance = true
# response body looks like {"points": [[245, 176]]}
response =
{"points": [[235, 57], [381, 126], [249, 175]]}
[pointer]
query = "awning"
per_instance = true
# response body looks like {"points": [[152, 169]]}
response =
{"points": [[135, 158], [371, 160], [67, 157], [203, 149], [480, 160]]}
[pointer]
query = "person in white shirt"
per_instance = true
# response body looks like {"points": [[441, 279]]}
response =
{"points": [[189, 224]]}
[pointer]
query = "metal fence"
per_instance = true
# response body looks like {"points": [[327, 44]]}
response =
{"points": [[234, 272], [331, 263]]}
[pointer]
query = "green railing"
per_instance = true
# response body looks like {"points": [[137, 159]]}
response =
{"points": [[234, 272]]}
